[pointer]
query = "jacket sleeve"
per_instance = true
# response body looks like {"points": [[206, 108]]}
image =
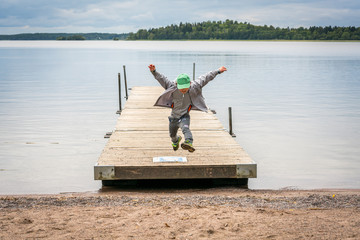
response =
{"points": [[164, 81], [206, 78]]}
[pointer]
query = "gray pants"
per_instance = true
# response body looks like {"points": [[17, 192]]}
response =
{"points": [[184, 123]]}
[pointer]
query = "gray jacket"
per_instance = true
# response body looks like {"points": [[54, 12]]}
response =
{"points": [[195, 90]]}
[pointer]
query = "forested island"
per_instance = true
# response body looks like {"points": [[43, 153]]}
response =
{"points": [[207, 30], [65, 36], [233, 30]]}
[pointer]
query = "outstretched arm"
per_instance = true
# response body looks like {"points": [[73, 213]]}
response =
{"points": [[205, 79], [164, 81]]}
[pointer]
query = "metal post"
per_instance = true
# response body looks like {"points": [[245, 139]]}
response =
{"points": [[193, 71], [126, 89], [230, 123], [119, 85]]}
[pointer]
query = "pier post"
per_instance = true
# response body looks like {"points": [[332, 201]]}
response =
{"points": [[193, 71], [230, 123], [126, 89], [119, 86]]}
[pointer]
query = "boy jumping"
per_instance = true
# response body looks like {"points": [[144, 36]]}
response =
{"points": [[182, 95]]}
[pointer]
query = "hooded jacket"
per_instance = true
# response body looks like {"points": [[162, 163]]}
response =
{"points": [[195, 90]]}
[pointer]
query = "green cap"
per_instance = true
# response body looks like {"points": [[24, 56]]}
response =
{"points": [[183, 81]]}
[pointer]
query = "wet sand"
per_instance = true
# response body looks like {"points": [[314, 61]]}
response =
{"points": [[212, 213]]}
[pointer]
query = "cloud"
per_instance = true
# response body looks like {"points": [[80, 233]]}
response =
{"points": [[143, 16], [298, 14], [130, 15], [293, 14]]}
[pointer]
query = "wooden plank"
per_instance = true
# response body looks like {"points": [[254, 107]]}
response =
{"points": [[157, 126], [142, 134]]}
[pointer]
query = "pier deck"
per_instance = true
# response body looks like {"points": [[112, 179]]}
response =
{"points": [[141, 135]]}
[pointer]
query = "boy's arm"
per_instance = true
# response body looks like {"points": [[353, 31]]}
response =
{"points": [[205, 79], [163, 80]]}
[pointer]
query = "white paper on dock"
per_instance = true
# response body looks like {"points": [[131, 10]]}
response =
{"points": [[169, 159]]}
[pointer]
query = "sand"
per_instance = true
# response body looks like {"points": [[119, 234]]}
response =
{"points": [[213, 213]]}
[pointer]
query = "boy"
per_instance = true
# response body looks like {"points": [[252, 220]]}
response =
{"points": [[182, 95]]}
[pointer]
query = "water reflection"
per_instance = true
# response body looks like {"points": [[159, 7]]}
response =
{"points": [[295, 107]]}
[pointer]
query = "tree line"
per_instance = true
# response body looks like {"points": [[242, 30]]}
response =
{"points": [[233, 30], [72, 38], [207, 30], [65, 36]]}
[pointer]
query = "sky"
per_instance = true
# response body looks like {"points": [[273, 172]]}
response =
{"points": [[123, 16]]}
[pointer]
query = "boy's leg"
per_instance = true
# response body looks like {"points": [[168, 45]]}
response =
{"points": [[173, 128], [185, 127]]}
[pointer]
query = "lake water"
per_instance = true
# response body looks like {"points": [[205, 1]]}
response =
{"points": [[296, 107]]}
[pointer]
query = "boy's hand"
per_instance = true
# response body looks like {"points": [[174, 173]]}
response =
{"points": [[152, 68], [222, 69]]}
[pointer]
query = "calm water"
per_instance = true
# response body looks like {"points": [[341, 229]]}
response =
{"points": [[296, 107]]}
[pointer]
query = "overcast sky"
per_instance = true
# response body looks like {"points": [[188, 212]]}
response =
{"points": [[122, 16]]}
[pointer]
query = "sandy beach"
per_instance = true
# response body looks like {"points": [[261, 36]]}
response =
{"points": [[212, 213]]}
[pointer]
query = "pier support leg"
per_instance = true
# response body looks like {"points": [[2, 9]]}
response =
{"points": [[119, 86], [230, 124], [126, 89]]}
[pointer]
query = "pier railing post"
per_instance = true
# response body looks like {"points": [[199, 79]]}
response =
{"points": [[230, 123], [126, 89], [193, 71], [119, 86]]}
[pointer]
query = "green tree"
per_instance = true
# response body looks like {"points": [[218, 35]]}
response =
{"points": [[75, 37], [230, 29]]}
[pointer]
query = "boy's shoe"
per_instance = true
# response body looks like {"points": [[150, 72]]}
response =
{"points": [[187, 145], [176, 144]]}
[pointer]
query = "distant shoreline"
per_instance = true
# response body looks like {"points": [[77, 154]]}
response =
{"points": [[64, 36]]}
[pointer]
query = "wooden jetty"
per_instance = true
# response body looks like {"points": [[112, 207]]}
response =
{"points": [[142, 137]]}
